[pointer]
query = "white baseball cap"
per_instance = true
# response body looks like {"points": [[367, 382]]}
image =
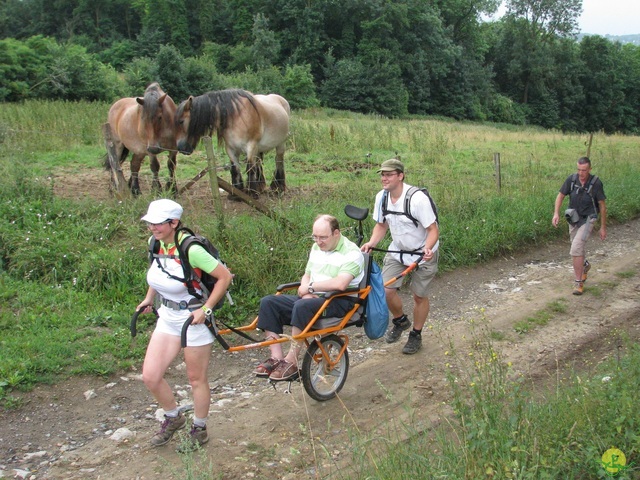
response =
{"points": [[162, 210]]}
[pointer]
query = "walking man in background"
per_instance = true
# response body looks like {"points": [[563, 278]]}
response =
{"points": [[586, 201], [412, 231]]}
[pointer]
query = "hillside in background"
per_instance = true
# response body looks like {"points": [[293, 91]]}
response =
{"points": [[632, 39]]}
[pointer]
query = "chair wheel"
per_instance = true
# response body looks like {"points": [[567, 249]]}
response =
{"points": [[324, 376]]}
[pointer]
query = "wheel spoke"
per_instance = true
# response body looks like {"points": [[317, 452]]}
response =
{"points": [[320, 380]]}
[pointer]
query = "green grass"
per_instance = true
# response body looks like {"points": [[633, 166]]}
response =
{"points": [[541, 317], [497, 426], [497, 335], [195, 464], [626, 274]]}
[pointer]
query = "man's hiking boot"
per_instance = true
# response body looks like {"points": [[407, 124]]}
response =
{"points": [[413, 344], [578, 287], [198, 436], [587, 267], [399, 326], [170, 426]]}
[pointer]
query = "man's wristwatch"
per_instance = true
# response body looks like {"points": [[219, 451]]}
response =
{"points": [[207, 311], [311, 290]]}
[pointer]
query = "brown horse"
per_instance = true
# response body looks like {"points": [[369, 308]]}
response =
{"points": [[246, 123], [144, 126]]}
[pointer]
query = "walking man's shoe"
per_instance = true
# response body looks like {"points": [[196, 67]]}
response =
{"points": [[413, 344], [587, 267], [170, 426], [399, 326], [578, 287]]}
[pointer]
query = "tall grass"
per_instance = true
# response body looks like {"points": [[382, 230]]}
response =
{"points": [[496, 426], [51, 126]]}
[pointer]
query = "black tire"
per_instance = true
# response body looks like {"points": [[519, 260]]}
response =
{"points": [[320, 380]]}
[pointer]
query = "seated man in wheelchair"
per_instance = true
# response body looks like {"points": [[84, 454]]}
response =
{"points": [[335, 264]]}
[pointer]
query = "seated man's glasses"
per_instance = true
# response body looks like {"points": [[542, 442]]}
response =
{"points": [[320, 238]]}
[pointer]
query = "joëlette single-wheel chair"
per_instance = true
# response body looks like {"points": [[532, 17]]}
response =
{"points": [[325, 363]]}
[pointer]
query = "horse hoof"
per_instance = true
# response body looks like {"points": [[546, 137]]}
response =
{"points": [[172, 188], [277, 187]]}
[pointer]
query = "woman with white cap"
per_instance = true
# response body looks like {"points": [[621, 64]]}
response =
{"points": [[163, 219]]}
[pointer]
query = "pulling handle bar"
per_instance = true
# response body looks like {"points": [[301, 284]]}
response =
{"points": [[134, 320], [209, 324]]}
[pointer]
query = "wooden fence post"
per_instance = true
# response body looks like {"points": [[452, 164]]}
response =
{"points": [[117, 177], [218, 183], [213, 181]]}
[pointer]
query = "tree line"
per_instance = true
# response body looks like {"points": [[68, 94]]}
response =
{"points": [[390, 57]]}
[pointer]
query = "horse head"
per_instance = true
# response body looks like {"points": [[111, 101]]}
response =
{"points": [[157, 119], [204, 114], [186, 140]]}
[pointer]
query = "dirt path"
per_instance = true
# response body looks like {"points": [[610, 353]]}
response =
{"points": [[258, 432]]}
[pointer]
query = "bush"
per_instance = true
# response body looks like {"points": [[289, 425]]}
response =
{"points": [[119, 54], [73, 74], [170, 72], [138, 74], [299, 88], [366, 88], [200, 77], [504, 110], [20, 67]]}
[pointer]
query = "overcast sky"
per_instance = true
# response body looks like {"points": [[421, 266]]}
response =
{"points": [[613, 17], [606, 17]]}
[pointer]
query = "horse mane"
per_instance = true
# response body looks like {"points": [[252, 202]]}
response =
{"points": [[214, 110], [151, 104]]}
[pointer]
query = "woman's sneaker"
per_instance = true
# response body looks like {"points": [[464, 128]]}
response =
{"points": [[170, 426], [198, 436], [399, 326]]}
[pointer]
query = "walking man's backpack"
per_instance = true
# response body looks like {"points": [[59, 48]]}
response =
{"points": [[588, 188], [407, 204], [193, 278]]}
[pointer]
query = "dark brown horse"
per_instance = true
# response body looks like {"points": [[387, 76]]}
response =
{"points": [[144, 126], [246, 123]]}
